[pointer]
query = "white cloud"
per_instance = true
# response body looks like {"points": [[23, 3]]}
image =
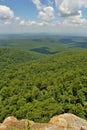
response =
{"points": [[37, 3], [77, 20], [27, 23], [69, 17], [7, 22], [68, 8], [47, 14], [32, 23], [71, 12], [6, 14], [22, 22], [17, 19]]}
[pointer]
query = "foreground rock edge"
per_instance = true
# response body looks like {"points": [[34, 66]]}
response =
{"points": [[65, 121]]}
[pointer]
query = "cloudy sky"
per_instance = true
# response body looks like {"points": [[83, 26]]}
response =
{"points": [[49, 16]]}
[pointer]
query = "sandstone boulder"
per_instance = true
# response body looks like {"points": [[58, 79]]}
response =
{"points": [[59, 121], [65, 121], [10, 121], [69, 121], [3, 127]]}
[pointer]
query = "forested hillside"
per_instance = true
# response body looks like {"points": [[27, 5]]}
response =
{"points": [[12, 56], [42, 88], [43, 44]]}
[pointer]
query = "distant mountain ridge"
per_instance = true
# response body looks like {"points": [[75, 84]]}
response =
{"points": [[43, 44]]}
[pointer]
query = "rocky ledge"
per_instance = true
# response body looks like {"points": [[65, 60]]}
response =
{"points": [[65, 121]]}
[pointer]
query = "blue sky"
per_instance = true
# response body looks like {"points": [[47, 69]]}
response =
{"points": [[22, 9], [49, 16]]}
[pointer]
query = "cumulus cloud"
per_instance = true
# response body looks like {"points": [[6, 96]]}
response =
{"points": [[32, 23], [37, 3], [68, 8], [47, 14], [22, 22], [64, 14], [6, 14], [27, 23], [71, 11], [75, 20], [17, 19]]}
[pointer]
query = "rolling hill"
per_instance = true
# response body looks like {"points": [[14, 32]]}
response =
{"points": [[42, 88], [43, 44]]}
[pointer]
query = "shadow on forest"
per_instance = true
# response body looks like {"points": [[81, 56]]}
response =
{"points": [[43, 50]]}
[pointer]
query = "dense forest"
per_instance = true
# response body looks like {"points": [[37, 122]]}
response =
{"points": [[38, 87]]}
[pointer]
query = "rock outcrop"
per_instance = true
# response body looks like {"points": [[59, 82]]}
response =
{"points": [[60, 122]]}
